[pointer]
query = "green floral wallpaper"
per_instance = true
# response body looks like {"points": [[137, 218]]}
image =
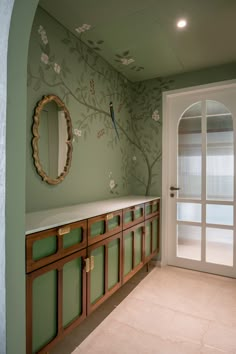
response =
{"points": [[61, 64], [147, 129], [117, 125]]}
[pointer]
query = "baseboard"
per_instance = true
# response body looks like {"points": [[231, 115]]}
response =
{"points": [[156, 263]]}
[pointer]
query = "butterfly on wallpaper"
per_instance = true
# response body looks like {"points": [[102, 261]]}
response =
{"points": [[113, 119]]}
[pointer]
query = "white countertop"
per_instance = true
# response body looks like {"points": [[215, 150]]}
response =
{"points": [[47, 219]]}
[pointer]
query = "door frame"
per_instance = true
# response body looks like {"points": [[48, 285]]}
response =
{"points": [[166, 122]]}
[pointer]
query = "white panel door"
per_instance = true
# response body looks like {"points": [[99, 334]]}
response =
{"points": [[200, 188]]}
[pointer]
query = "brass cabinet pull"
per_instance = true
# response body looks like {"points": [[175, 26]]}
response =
{"points": [[110, 216], [91, 262], [87, 265], [64, 230]]}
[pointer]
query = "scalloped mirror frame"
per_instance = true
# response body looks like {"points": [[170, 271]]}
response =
{"points": [[36, 136]]}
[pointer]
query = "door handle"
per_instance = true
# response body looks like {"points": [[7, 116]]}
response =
{"points": [[174, 188]]}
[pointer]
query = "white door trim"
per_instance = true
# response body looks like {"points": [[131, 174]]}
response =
{"points": [[166, 97]]}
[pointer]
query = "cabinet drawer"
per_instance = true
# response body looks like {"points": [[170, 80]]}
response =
{"points": [[133, 215], [103, 226], [45, 247], [152, 208]]}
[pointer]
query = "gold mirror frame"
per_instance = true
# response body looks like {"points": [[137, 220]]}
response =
{"points": [[36, 136]]}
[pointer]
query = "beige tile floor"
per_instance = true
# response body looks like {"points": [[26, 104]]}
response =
{"points": [[171, 311]]}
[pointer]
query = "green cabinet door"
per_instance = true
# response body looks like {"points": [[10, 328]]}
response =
{"points": [[44, 309], [151, 238], [55, 301], [155, 235], [72, 291], [104, 276], [132, 250], [148, 239]]}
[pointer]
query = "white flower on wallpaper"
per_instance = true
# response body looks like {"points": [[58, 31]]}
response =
{"points": [[40, 29], [112, 184], [44, 58], [126, 61], [155, 115], [57, 68], [86, 27], [83, 28], [77, 132], [43, 35]]}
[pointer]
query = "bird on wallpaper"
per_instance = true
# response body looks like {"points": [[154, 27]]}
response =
{"points": [[113, 119]]}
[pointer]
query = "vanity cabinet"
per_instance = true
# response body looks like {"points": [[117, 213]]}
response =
{"points": [[72, 268]]}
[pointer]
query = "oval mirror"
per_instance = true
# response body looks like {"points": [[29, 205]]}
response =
{"points": [[52, 139]]}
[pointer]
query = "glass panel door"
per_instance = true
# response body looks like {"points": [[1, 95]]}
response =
{"points": [[189, 180], [201, 190], [205, 177]]}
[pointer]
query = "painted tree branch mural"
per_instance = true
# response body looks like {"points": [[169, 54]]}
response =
{"points": [[93, 86]]}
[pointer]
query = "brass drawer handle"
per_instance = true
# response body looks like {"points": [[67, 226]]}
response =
{"points": [[110, 216], [136, 207], [87, 265], [64, 230]]}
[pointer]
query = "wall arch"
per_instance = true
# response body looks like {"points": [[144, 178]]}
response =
{"points": [[16, 17]]}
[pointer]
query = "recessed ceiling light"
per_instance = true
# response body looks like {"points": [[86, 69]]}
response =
{"points": [[182, 23]]}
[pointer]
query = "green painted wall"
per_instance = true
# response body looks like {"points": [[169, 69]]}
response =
{"points": [[147, 122], [21, 22], [59, 63]]}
